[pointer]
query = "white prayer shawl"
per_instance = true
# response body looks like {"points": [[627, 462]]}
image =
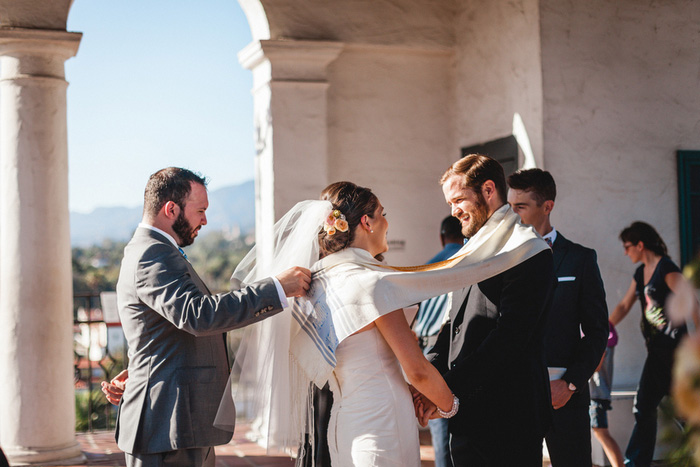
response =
{"points": [[350, 289]]}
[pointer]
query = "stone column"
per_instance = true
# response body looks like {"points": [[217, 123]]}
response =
{"points": [[37, 408], [289, 89]]}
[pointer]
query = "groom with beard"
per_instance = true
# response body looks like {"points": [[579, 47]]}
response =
{"points": [[491, 350], [178, 363]]}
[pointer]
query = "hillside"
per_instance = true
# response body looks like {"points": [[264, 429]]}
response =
{"points": [[230, 208]]}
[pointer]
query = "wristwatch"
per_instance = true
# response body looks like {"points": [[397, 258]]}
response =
{"points": [[572, 388]]}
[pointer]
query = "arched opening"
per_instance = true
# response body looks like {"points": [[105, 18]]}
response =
{"points": [[155, 86]]}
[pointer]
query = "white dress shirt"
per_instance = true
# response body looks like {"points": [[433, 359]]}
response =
{"points": [[552, 236]]}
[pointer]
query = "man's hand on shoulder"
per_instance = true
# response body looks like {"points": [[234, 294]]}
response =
{"points": [[114, 390], [560, 393], [295, 281]]}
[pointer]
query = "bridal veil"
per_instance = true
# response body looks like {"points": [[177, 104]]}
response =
{"points": [[261, 375]]}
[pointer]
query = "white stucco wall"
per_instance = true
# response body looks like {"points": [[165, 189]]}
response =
{"points": [[386, 22], [498, 71], [621, 95], [608, 91], [389, 106], [390, 120]]}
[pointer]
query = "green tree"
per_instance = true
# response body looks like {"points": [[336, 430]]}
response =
{"points": [[214, 256]]}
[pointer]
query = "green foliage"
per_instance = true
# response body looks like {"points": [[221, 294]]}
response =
{"points": [[214, 256], [96, 268], [101, 413], [678, 435], [692, 272]]}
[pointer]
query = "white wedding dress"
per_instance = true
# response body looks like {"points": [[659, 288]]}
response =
{"points": [[372, 421]]}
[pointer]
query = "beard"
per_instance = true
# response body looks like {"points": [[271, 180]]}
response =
{"points": [[477, 218], [184, 230]]}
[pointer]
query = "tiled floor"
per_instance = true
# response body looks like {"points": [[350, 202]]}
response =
{"points": [[101, 450]]}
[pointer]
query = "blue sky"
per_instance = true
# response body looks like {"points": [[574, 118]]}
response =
{"points": [[156, 83]]}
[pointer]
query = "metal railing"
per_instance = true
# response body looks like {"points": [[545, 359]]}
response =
{"points": [[97, 357]]}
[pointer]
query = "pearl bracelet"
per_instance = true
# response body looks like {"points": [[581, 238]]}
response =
{"points": [[453, 410]]}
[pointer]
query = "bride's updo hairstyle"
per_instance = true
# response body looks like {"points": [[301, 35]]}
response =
{"points": [[353, 202]]}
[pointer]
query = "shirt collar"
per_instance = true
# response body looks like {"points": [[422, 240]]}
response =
{"points": [[552, 236], [156, 229]]}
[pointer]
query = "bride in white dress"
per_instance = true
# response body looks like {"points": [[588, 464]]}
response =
{"points": [[336, 335], [372, 419], [350, 331]]}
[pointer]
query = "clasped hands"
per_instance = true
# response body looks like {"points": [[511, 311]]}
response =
{"points": [[424, 408], [114, 390]]}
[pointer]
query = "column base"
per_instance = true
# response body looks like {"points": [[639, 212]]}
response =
{"points": [[57, 455]]}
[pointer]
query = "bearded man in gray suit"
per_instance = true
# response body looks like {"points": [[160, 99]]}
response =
{"points": [[178, 363]]}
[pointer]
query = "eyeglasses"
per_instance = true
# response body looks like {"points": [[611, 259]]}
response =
{"points": [[626, 246]]}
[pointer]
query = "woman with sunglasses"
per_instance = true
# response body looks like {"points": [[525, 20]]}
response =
{"points": [[654, 280]]}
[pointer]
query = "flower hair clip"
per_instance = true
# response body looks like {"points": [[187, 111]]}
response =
{"points": [[335, 222]]}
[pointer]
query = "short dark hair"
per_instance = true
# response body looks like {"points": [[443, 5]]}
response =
{"points": [[642, 232], [451, 228], [169, 184], [536, 181], [475, 170], [353, 202]]}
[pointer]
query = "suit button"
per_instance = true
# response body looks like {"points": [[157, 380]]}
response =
{"points": [[456, 331]]}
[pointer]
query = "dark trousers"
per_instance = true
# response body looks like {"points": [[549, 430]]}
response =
{"points": [[569, 438], [323, 401], [654, 384], [525, 451]]}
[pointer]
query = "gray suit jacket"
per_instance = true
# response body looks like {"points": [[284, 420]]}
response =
{"points": [[178, 364]]}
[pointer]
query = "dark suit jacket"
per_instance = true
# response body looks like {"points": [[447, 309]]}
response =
{"points": [[578, 304], [178, 364], [491, 354]]}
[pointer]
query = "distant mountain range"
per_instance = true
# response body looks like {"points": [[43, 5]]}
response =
{"points": [[230, 208]]}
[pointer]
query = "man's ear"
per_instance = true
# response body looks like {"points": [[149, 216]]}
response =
{"points": [[171, 210], [548, 206], [488, 190]]}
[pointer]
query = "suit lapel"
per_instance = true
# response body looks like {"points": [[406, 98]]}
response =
{"points": [[458, 298], [158, 236], [200, 283]]}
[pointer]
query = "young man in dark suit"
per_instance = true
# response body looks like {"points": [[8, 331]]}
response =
{"points": [[491, 351], [577, 327]]}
